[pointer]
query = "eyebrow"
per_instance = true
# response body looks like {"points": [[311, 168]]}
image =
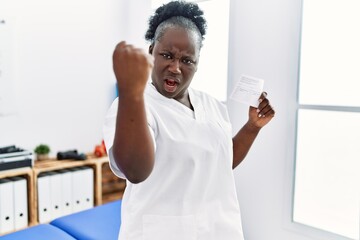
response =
{"points": [[189, 55]]}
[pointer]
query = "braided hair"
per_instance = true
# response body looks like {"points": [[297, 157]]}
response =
{"points": [[176, 13]]}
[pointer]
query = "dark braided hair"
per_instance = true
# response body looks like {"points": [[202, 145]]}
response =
{"points": [[177, 13]]}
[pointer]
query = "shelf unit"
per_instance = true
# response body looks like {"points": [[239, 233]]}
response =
{"points": [[107, 187]]}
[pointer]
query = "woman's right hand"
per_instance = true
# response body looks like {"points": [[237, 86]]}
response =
{"points": [[132, 67]]}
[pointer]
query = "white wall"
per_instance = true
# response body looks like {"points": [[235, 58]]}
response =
{"points": [[264, 42], [63, 80]]}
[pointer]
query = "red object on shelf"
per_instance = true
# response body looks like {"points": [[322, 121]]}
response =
{"points": [[100, 150]]}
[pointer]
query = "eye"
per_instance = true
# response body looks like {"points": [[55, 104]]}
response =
{"points": [[188, 61], [166, 55]]}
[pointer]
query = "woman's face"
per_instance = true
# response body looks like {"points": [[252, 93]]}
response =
{"points": [[176, 56]]}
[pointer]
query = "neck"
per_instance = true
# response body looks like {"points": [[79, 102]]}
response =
{"points": [[186, 101]]}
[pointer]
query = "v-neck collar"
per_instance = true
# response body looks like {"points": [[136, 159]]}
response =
{"points": [[197, 105]]}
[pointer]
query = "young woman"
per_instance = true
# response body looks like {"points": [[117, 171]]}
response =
{"points": [[174, 144]]}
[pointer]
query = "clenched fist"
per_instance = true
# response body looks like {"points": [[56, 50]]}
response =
{"points": [[132, 67]]}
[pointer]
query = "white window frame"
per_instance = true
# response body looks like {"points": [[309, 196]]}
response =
{"points": [[310, 230]]}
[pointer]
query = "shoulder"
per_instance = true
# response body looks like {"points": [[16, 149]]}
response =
{"points": [[208, 101]]}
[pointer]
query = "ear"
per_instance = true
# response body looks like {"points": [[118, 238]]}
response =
{"points": [[151, 47]]}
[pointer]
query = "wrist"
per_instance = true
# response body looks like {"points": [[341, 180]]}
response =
{"points": [[131, 94], [130, 98], [251, 127]]}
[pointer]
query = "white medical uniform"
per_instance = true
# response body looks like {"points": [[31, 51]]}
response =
{"points": [[190, 194]]}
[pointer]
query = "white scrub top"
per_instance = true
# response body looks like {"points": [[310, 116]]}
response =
{"points": [[190, 194]]}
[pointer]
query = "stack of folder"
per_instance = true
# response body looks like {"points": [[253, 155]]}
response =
{"points": [[13, 204], [12, 157], [64, 192]]}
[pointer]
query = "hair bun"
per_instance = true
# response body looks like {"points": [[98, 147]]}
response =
{"points": [[188, 10]]}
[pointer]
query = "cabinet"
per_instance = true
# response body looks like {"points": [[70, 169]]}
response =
{"points": [[107, 187]]}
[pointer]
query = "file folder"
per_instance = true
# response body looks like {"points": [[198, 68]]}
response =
{"points": [[66, 191], [83, 188], [77, 184], [55, 194], [20, 202], [88, 187], [44, 198], [6, 206]]}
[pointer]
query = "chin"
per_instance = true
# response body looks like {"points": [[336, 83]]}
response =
{"points": [[168, 94]]}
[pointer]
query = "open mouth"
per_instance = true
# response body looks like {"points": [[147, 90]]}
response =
{"points": [[170, 85], [170, 82]]}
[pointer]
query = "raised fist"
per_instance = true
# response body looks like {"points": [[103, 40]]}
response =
{"points": [[132, 67]]}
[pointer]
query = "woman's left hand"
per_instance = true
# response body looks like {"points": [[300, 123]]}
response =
{"points": [[262, 115]]}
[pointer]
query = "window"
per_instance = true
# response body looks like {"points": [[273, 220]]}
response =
{"points": [[211, 76], [327, 175]]}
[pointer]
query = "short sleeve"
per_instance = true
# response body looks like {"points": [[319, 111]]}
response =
{"points": [[109, 135]]}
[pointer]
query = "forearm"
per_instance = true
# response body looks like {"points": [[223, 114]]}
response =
{"points": [[243, 141], [133, 147]]}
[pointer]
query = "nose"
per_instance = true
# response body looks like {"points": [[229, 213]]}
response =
{"points": [[174, 66]]}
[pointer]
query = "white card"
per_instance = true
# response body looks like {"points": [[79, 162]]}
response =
{"points": [[248, 90]]}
